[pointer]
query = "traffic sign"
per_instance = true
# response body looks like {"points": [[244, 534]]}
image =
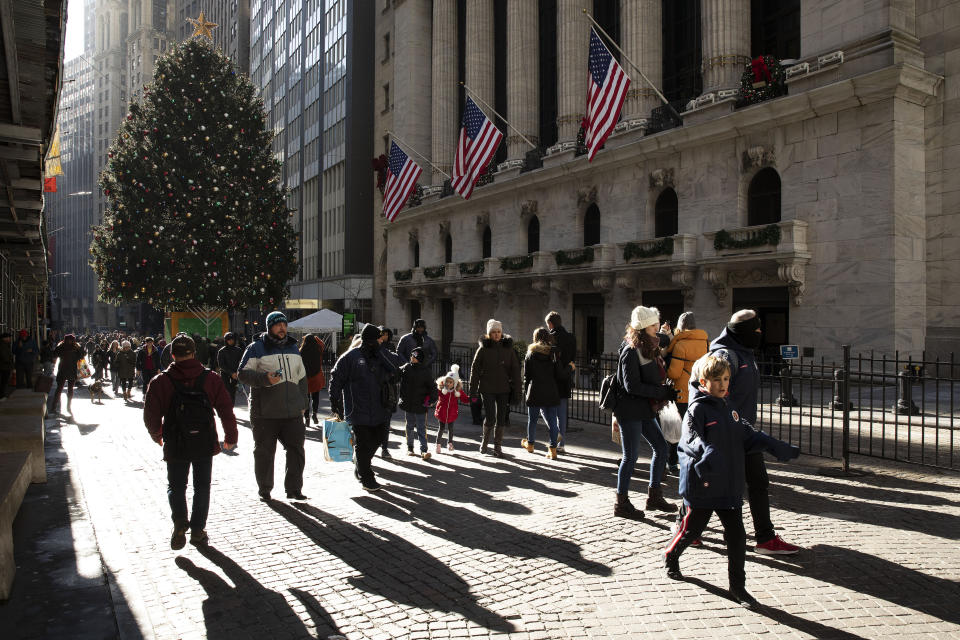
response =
{"points": [[789, 351]]}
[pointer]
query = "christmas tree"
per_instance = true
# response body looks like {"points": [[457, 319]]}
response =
{"points": [[197, 216]]}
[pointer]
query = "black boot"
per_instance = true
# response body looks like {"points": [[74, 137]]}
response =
{"points": [[485, 442], [672, 564], [747, 601], [655, 501], [497, 441], [625, 509]]}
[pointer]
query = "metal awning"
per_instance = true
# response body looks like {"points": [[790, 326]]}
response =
{"points": [[31, 32]]}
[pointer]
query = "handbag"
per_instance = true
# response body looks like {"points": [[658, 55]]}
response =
{"points": [[670, 423], [83, 369], [337, 441], [615, 430]]}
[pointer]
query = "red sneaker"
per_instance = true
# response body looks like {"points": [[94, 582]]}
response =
{"points": [[776, 547], [697, 543]]}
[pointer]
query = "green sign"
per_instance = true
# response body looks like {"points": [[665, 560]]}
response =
{"points": [[349, 323]]}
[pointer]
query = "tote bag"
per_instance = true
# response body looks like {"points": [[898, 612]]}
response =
{"points": [[337, 441]]}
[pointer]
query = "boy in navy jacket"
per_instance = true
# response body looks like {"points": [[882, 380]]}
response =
{"points": [[712, 448]]}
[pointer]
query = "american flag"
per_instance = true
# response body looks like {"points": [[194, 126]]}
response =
{"points": [[605, 93], [479, 140], [402, 176]]}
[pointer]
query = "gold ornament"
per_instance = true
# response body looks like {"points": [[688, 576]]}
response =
{"points": [[201, 27]]}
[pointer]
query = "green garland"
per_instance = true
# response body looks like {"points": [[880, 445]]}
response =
{"points": [[776, 86], [770, 234], [471, 268], [573, 257], [435, 272], [634, 250], [403, 276], [516, 263]]}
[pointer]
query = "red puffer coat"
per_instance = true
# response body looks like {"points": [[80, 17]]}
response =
{"points": [[447, 406]]}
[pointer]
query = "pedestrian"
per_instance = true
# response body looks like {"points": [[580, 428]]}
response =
{"points": [[203, 348], [688, 345], [25, 351], [311, 351], [495, 375], [417, 392], [112, 363], [6, 363], [386, 335], [178, 413], [357, 395], [166, 355], [640, 376], [69, 353], [541, 374], [737, 343], [272, 368], [712, 451], [418, 338], [126, 363], [565, 345], [228, 360], [148, 362], [450, 395], [99, 360]]}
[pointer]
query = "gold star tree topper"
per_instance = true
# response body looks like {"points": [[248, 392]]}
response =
{"points": [[201, 27]]}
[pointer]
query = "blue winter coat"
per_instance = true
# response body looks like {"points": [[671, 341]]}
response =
{"points": [[26, 351], [355, 383], [409, 342], [712, 448], [744, 375], [640, 382]]}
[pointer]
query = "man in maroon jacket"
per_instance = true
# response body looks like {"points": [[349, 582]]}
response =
{"points": [[157, 415]]}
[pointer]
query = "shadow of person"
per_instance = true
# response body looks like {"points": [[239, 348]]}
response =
{"points": [[468, 528], [249, 606], [390, 566], [871, 488], [873, 576], [814, 629]]}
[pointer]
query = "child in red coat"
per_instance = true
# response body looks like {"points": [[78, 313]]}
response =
{"points": [[451, 396]]}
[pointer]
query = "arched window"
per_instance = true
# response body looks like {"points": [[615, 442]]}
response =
{"points": [[416, 253], [448, 248], [665, 214], [763, 198], [591, 226], [486, 249], [533, 235]]}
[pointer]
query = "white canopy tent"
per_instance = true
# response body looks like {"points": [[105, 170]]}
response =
{"points": [[323, 321]]}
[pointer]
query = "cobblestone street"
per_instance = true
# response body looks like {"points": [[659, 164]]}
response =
{"points": [[461, 546]]}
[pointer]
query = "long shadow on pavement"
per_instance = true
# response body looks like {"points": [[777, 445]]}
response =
{"points": [[391, 566], [249, 607], [873, 576], [861, 491]]}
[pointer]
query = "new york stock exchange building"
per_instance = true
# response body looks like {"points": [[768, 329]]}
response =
{"points": [[808, 167]]}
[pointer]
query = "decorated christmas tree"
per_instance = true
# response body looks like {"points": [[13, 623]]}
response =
{"points": [[197, 217]]}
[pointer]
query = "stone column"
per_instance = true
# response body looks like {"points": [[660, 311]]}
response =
{"points": [[725, 28], [479, 52], [412, 73], [642, 35], [444, 87], [573, 44], [523, 75]]}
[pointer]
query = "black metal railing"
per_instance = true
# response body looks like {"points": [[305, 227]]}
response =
{"points": [[891, 407]]}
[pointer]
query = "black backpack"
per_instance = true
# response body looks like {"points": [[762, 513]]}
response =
{"points": [[189, 430]]}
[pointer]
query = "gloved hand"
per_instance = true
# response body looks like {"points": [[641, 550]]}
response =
{"points": [[667, 392], [786, 455]]}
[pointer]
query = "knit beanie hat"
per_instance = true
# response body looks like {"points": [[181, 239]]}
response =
{"points": [[420, 323], [454, 373], [274, 317], [643, 317], [745, 331], [417, 352], [494, 325], [370, 333]]}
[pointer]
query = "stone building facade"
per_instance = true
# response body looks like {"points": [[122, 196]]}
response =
{"points": [[830, 209]]}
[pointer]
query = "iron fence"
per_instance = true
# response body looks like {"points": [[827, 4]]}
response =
{"points": [[896, 408]]}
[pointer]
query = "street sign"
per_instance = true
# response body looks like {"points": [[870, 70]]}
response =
{"points": [[789, 351], [349, 319]]}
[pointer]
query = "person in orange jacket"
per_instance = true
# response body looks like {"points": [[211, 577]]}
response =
{"points": [[686, 347]]}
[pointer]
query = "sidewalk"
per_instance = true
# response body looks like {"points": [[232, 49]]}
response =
{"points": [[461, 547]]}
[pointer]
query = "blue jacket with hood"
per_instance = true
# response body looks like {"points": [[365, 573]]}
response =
{"points": [[712, 448], [355, 383], [744, 375]]}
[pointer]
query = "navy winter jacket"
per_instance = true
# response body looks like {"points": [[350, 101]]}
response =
{"points": [[417, 384], [744, 375], [712, 448], [409, 342], [355, 383], [640, 382]]}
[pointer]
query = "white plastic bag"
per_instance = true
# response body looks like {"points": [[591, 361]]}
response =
{"points": [[670, 423]]}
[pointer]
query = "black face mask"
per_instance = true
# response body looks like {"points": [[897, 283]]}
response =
{"points": [[746, 332]]}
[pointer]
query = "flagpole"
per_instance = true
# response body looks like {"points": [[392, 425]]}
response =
{"points": [[480, 100], [635, 67], [417, 153]]}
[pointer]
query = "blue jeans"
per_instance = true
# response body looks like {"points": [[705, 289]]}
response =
{"points": [[416, 421], [177, 491], [631, 432], [549, 416], [562, 419]]}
